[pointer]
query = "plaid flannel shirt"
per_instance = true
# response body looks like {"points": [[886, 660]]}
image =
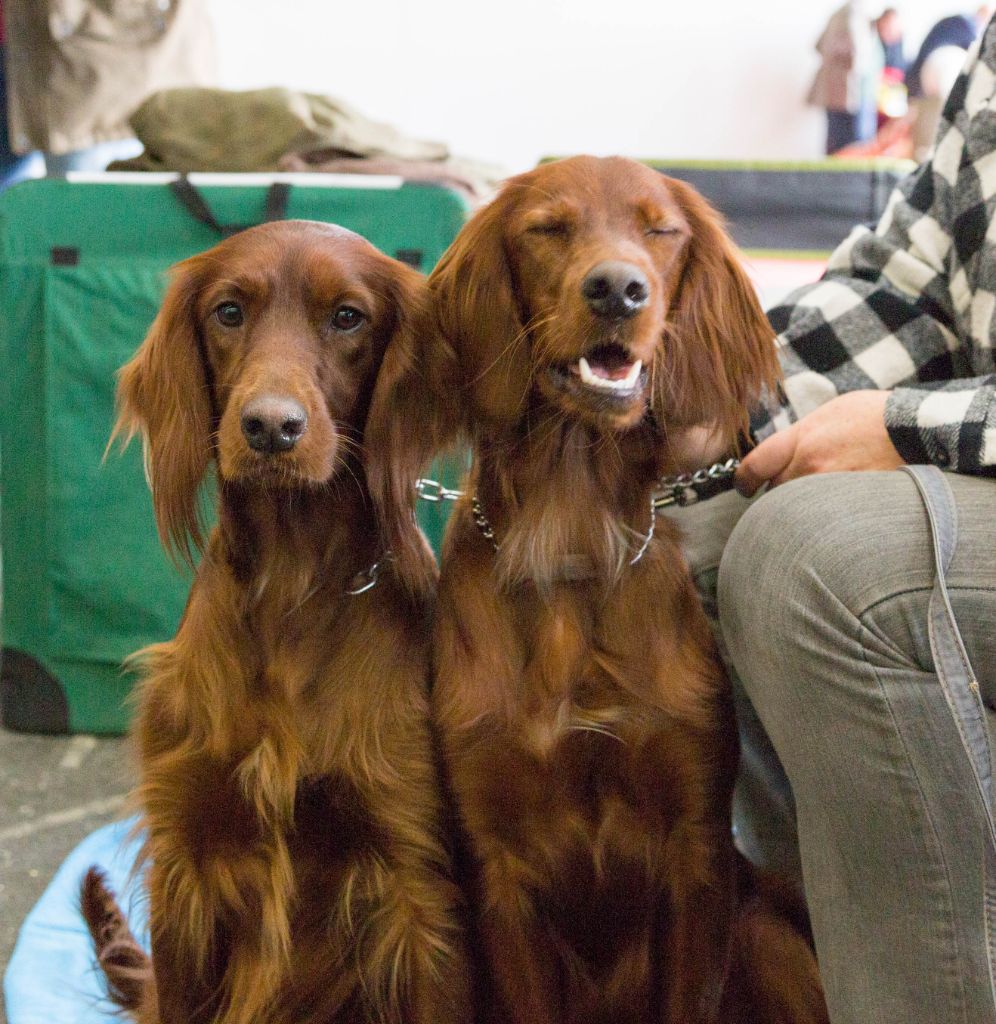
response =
{"points": [[910, 305]]}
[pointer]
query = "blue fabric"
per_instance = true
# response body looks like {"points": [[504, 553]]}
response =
{"points": [[842, 129], [956, 30], [51, 977]]}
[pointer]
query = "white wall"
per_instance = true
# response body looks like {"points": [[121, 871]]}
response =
{"points": [[511, 81]]}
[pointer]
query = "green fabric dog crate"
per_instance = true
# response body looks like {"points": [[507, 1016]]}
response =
{"points": [[792, 207], [81, 275]]}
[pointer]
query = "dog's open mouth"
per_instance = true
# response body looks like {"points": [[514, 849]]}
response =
{"points": [[607, 372]]}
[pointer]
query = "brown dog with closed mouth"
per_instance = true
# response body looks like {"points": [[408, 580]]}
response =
{"points": [[585, 322], [296, 866]]}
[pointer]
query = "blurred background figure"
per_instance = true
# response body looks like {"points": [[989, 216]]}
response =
{"points": [[846, 84], [892, 97], [890, 35], [13, 168], [934, 69], [74, 70]]}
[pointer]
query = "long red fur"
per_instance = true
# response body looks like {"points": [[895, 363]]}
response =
{"points": [[586, 723], [296, 861]]}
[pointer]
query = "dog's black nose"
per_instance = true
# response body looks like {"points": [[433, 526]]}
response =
{"points": [[272, 423], [615, 290]]}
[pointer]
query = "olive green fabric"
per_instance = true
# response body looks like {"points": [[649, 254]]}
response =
{"points": [[198, 129], [82, 271]]}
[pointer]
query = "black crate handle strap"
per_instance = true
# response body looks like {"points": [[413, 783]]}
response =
{"points": [[277, 196]]}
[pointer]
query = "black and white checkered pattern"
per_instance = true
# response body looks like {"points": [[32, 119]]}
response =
{"points": [[910, 305]]}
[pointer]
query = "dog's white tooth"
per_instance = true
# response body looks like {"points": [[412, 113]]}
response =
{"points": [[591, 379]]}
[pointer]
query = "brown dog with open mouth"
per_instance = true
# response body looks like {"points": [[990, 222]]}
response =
{"points": [[586, 321]]}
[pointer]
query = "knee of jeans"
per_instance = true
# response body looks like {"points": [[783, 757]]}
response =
{"points": [[777, 569]]}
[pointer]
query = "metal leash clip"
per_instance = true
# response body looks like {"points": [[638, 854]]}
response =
{"points": [[691, 488]]}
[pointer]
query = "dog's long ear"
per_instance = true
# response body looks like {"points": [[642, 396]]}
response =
{"points": [[478, 318], [719, 347], [163, 394], [412, 416]]}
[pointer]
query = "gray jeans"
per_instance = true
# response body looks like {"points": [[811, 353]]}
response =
{"points": [[822, 602]]}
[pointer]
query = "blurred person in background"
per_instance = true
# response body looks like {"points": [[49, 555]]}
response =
{"points": [[892, 99], [934, 69], [13, 167], [846, 84], [890, 35], [74, 70]]}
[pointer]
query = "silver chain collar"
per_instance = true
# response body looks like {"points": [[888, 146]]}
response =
{"points": [[366, 579], [427, 490], [487, 530], [481, 520]]}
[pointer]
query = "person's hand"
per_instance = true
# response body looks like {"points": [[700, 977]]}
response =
{"points": [[846, 433]]}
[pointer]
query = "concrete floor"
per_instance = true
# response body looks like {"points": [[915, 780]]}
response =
{"points": [[54, 791]]}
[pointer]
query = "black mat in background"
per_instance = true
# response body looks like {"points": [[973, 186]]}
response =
{"points": [[791, 208]]}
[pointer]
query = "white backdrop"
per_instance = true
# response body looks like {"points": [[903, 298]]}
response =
{"points": [[511, 81]]}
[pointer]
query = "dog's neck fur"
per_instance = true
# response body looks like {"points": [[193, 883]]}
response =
{"points": [[284, 545], [275, 617], [560, 492]]}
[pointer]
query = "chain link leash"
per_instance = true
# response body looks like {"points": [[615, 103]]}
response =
{"points": [[691, 488], [682, 489], [433, 490]]}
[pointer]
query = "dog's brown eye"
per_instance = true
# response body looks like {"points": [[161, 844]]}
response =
{"points": [[229, 314], [662, 230], [346, 318]]}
